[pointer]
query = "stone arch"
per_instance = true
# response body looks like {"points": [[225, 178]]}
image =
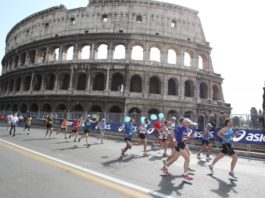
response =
{"points": [[54, 54], [137, 53], [77, 108], [23, 58], [7, 107], [46, 108], [136, 84], [18, 84], [203, 91], [117, 82], [115, 109], [155, 54], [172, 113], [32, 57], [64, 81], [85, 52], [172, 87], [134, 110], [50, 81], [171, 56], [37, 82], [81, 82], [61, 108], [34, 108], [11, 85], [188, 57], [99, 82], [154, 85], [102, 51], [188, 114], [16, 61], [23, 108], [153, 111], [26, 83], [216, 93], [189, 88], [15, 108], [203, 62], [41, 57], [119, 52], [69, 53], [96, 108]]}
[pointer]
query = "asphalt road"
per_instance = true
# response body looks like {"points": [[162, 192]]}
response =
{"points": [[26, 174]]}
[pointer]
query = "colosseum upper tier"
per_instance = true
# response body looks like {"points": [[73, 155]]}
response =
{"points": [[112, 56]]}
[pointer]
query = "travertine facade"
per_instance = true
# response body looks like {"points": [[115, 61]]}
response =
{"points": [[40, 73]]}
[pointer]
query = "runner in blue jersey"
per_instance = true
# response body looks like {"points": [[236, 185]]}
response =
{"points": [[206, 141], [226, 134], [180, 148], [128, 132]]}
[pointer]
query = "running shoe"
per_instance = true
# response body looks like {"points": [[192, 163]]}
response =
{"points": [[232, 174], [187, 177], [211, 168], [70, 136], [14, 135], [165, 171]]}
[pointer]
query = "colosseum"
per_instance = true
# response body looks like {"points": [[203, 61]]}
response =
{"points": [[114, 56]]}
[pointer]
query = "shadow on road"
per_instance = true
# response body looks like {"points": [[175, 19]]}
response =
{"points": [[121, 160], [224, 188], [167, 186]]}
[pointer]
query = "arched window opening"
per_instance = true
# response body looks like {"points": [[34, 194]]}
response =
{"points": [[37, 82], [115, 109], [137, 53], [99, 82], [119, 52], [85, 52], [136, 84], [187, 59], [189, 89], [154, 85], [155, 54], [203, 91], [81, 82], [171, 57], [102, 52], [117, 82], [70, 53], [172, 87]]}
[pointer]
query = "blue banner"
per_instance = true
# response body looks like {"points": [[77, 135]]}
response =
{"points": [[244, 136]]}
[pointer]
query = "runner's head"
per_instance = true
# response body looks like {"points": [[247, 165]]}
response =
{"points": [[103, 120], [209, 126], [228, 122], [132, 121], [146, 121], [186, 122], [173, 119]]}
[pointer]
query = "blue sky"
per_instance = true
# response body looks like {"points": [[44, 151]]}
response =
{"points": [[235, 30]]}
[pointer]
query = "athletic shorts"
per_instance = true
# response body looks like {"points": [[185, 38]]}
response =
{"points": [[128, 139], [74, 130], [207, 142], [227, 149], [142, 136], [49, 126], [181, 146], [86, 130]]}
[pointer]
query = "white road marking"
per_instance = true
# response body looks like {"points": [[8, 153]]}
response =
{"points": [[89, 171]]}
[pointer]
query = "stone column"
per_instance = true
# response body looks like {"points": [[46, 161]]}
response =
{"points": [[92, 51], [76, 51], [43, 82], [195, 60], [107, 81], [71, 79], [110, 52], [180, 57], [56, 82], [164, 55], [146, 53], [47, 57], [88, 80], [61, 54], [31, 82], [128, 54], [210, 90]]}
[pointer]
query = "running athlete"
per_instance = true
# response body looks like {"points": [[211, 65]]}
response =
{"points": [[128, 131], [163, 137], [142, 135], [206, 141], [64, 127], [49, 124], [87, 126], [8, 120], [180, 149], [13, 123], [75, 129], [28, 121], [226, 134], [102, 127]]}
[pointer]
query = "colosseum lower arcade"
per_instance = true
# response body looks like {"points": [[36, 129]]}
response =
{"points": [[112, 56]]}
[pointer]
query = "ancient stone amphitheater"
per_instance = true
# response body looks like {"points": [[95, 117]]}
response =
{"points": [[132, 56]]}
